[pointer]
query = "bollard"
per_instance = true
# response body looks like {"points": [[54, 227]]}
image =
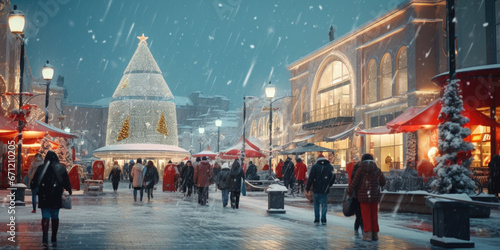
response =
{"points": [[19, 189], [276, 199], [450, 223]]}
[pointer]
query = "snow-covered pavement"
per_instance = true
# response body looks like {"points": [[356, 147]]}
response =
{"points": [[171, 221]]}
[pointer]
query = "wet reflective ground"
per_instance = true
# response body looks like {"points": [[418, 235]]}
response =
{"points": [[170, 221]]}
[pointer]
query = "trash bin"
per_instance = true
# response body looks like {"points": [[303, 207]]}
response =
{"points": [[450, 223], [276, 199], [18, 190]]}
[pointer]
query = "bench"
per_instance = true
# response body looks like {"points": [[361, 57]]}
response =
{"points": [[93, 187]]}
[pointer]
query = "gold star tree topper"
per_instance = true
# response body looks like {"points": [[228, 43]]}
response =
{"points": [[142, 38]]}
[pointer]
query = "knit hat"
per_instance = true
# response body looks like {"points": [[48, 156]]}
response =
{"points": [[131, 161]]}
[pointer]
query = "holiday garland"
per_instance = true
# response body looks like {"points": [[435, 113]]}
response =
{"points": [[162, 127], [124, 131]]}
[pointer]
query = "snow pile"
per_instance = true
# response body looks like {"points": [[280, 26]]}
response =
{"points": [[276, 188]]}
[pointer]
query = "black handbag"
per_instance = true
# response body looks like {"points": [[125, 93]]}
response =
{"points": [[348, 206]]}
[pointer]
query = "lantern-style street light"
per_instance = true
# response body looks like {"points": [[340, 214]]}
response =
{"points": [[16, 25], [47, 74], [270, 92], [218, 123]]}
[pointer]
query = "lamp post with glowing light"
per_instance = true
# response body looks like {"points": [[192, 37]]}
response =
{"points": [[270, 92], [47, 74], [202, 131], [16, 25], [218, 123]]}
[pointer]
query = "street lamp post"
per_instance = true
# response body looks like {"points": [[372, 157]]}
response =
{"points": [[270, 92], [47, 74], [201, 130], [218, 123], [16, 25]]}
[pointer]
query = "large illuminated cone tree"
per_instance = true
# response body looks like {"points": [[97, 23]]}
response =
{"points": [[144, 100], [451, 169]]}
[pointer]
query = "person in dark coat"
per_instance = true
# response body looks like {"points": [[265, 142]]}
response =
{"points": [[289, 174], [114, 175], [125, 171], [252, 172], [215, 177], [351, 169], [51, 179], [236, 177], [178, 183], [130, 178], [187, 180], [321, 178], [367, 182], [223, 184], [151, 178], [203, 178]]}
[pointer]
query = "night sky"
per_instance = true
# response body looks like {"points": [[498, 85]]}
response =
{"points": [[221, 47]]}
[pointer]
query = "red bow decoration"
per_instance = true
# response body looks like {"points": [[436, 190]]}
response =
{"points": [[448, 162], [463, 155], [21, 113], [444, 118]]}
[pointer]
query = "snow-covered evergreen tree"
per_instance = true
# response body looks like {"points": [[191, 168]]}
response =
{"points": [[451, 169]]}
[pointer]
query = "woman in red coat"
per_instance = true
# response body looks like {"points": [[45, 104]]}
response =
{"points": [[169, 178], [300, 175], [367, 182]]}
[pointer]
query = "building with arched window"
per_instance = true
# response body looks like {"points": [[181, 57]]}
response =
{"points": [[366, 78]]}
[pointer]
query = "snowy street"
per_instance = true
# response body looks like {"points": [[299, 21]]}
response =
{"points": [[171, 221]]}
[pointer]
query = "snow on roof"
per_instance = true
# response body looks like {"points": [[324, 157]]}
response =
{"points": [[141, 147], [103, 102], [182, 101]]}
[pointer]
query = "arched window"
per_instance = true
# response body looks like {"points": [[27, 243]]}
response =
{"points": [[402, 71], [334, 92], [296, 107], [302, 103], [253, 130], [371, 87], [277, 123], [386, 77], [261, 132]]}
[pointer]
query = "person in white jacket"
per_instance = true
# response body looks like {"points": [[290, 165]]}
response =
{"points": [[138, 176]]}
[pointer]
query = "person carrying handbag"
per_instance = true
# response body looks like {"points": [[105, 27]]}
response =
{"points": [[51, 179], [351, 169], [366, 183]]}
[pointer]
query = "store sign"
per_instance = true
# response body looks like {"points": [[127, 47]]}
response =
{"points": [[481, 137]]}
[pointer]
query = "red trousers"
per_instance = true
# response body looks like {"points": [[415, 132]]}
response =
{"points": [[369, 212]]}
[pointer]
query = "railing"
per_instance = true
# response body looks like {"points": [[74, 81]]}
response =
{"points": [[329, 112]]}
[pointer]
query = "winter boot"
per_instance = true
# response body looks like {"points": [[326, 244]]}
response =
{"points": [[45, 231], [374, 236], [55, 227], [367, 236]]}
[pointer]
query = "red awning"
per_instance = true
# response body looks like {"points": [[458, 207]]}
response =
{"points": [[250, 150], [36, 130], [413, 119], [207, 152], [477, 84]]}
